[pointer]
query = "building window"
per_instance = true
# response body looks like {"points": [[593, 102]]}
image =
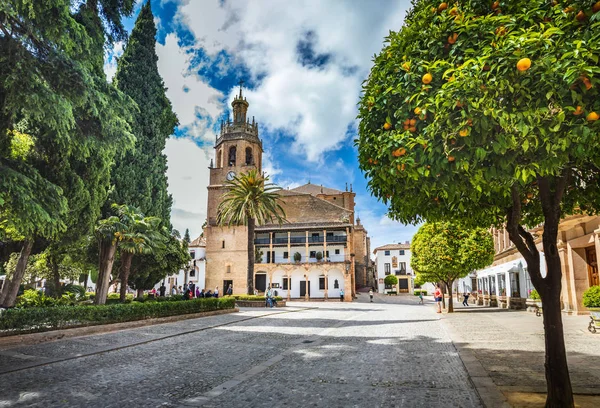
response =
{"points": [[326, 254], [228, 268], [287, 283], [403, 267], [330, 234], [193, 254], [337, 251], [223, 244], [313, 254], [336, 284], [387, 268], [402, 252], [192, 273], [321, 283], [386, 253], [249, 156], [285, 255], [232, 153]]}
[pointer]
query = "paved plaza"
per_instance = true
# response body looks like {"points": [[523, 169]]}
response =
{"points": [[308, 354], [392, 353]]}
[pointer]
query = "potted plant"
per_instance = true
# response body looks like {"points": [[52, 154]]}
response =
{"points": [[319, 256], [591, 300], [534, 301], [297, 257]]}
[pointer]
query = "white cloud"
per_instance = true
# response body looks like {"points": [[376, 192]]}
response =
{"points": [[188, 176], [314, 105], [110, 60], [196, 103]]}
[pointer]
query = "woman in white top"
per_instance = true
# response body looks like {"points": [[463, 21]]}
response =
{"points": [[217, 292]]}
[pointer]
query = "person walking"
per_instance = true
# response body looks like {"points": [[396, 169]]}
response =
{"points": [[217, 292], [173, 290], [230, 290], [269, 297], [465, 301], [341, 295], [162, 290], [421, 297], [437, 294], [371, 294]]}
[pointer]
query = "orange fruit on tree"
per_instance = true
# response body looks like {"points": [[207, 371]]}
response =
{"points": [[427, 78], [596, 7], [412, 129], [407, 122], [588, 84], [486, 67], [592, 117], [401, 151], [464, 132], [417, 111], [442, 7], [524, 64], [495, 5], [375, 162], [412, 122], [451, 158], [569, 9], [580, 16], [406, 66], [578, 111], [530, 195], [387, 126], [452, 38], [453, 11], [470, 122], [405, 127]]}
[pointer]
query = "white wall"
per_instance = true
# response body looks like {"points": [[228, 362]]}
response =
{"points": [[381, 259]]}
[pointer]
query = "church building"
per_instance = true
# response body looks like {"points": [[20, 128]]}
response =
{"points": [[319, 251]]}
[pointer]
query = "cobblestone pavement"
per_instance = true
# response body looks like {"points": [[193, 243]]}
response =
{"points": [[392, 354], [510, 347]]}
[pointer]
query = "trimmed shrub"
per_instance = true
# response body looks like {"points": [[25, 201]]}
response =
{"points": [[390, 280], [50, 318], [417, 291], [533, 294], [591, 297], [252, 297]]}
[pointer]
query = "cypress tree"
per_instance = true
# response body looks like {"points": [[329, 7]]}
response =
{"points": [[139, 177]]}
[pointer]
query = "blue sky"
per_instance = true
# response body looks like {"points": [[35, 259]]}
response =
{"points": [[303, 63]]}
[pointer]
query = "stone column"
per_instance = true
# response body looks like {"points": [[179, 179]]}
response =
{"points": [[289, 289], [306, 296], [289, 248], [597, 242], [271, 255], [567, 278], [306, 259], [325, 244]]}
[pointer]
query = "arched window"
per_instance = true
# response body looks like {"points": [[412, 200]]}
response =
{"points": [[336, 284], [220, 158], [249, 160], [232, 156]]}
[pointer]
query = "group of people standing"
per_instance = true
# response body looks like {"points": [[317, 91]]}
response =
{"points": [[190, 291]]}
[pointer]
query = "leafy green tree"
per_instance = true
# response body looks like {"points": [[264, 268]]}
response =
{"points": [[250, 199], [391, 280], [444, 252], [149, 269], [54, 100], [139, 177], [487, 113]]}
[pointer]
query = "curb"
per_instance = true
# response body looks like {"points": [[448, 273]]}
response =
{"points": [[490, 394], [42, 337]]}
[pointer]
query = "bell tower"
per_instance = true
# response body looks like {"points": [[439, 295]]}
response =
{"points": [[237, 150]]}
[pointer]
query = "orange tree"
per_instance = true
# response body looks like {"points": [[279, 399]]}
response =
{"points": [[445, 251], [486, 112]]}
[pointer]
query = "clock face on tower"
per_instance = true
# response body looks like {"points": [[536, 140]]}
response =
{"points": [[230, 175]]}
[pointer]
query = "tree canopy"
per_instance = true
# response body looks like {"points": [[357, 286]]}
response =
{"points": [[446, 251]]}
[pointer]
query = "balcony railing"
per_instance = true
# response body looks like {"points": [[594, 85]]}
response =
{"points": [[302, 240], [400, 271]]}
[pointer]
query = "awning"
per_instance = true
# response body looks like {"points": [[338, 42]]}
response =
{"points": [[518, 265]]}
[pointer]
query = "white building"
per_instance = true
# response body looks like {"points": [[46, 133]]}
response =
{"points": [[394, 259], [195, 271]]}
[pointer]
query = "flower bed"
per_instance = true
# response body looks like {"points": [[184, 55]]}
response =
{"points": [[33, 319]]}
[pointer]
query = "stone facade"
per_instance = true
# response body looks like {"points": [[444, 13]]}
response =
{"points": [[506, 282], [319, 220]]}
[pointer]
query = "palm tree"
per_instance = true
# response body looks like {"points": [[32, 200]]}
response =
{"points": [[142, 235], [249, 200]]}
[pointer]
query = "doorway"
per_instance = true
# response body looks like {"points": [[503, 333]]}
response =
{"points": [[403, 285], [592, 261], [226, 284], [260, 282], [303, 288]]}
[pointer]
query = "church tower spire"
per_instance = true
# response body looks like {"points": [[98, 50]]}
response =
{"points": [[240, 107]]}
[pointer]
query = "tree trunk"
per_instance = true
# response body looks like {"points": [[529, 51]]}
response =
{"points": [[140, 293], [11, 288], [450, 300], [442, 286], [126, 258], [106, 260], [558, 381], [250, 276], [55, 276]]}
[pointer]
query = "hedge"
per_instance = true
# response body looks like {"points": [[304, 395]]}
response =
{"points": [[57, 317], [417, 291], [252, 297]]}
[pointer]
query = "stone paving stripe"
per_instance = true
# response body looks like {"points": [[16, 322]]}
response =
{"points": [[50, 361]]}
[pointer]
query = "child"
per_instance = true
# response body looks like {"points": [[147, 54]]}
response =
{"points": [[421, 298]]}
